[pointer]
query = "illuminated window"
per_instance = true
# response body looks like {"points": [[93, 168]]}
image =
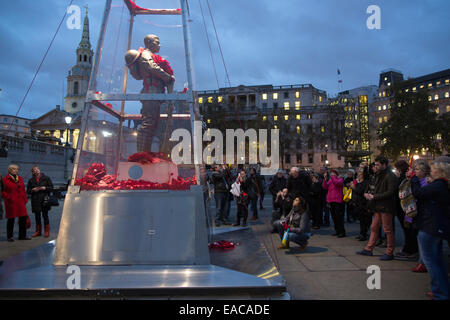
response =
{"points": [[436, 97], [275, 96], [439, 136], [322, 129], [430, 85], [438, 83], [220, 99], [210, 99], [437, 110], [379, 94], [320, 98], [385, 119], [264, 96], [200, 100], [389, 84], [209, 120], [414, 89], [298, 130], [384, 107], [379, 108], [298, 117], [448, 108], [275, 127], [297, 94], [407, 90], [384, 93], [447, 81], [286, 105], [286, 118], [275, 118], [430, 98], [447, 94], [264, 118], [422, 86], [297, 105], [309, 116]]}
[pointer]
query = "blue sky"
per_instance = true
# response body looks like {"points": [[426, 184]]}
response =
{"points": [[264, 42]]}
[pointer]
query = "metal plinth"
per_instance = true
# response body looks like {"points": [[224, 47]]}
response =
{"points": [[157, 227]]}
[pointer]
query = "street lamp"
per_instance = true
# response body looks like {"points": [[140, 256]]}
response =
{"points": [[326, 155], [68, 120]]}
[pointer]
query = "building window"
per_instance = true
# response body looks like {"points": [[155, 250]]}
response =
{"points": [[297, 105], [322, 129], [286, 105], [309, 116], [76, 88], [264, 96], [385, 119], [264, 118], [298, 130], [430, 85], [447, 81], [437, 110], [436, 97], [286, 118], [275, 118], [298, 144], [320, 98], [74, 105], [448, 109], [275, 127], [286, 95], [447, 94], [220, 99], [200, 100], [298, 117], [380, 120], [379, 108], [288, 158], [384, 107], [275, 105], [264, 105], [310, 157], [210, 99], [310, 144], [297, 94], [430, 98], [275, 95], [299, 158]]}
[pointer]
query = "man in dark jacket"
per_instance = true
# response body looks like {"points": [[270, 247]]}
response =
{"points": [[221, 191], [383, 203], [277, 185], [39, 187], [255, 189], [299, 184], [324, 206], [316, 202]]}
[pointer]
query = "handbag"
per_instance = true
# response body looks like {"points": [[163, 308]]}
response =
{"points": [[347, 194]]}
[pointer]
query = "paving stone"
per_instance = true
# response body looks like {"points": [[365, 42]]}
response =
{"points": [[327, 263]]}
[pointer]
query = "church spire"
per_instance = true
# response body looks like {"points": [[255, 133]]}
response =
{"points": [[85, 39]]}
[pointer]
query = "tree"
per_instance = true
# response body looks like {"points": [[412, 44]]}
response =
{"points": [[412, 126]]}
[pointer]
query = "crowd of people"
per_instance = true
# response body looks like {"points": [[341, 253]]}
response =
{"points": [[15, 197], [417, 194]]}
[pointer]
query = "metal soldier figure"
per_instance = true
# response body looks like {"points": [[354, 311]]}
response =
{"points": [[145, 64]]}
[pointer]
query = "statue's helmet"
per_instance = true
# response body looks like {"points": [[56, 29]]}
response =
{"points": [[131, 56]]}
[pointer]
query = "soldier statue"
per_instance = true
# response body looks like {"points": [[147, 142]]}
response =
{"points": [[145, 64]]}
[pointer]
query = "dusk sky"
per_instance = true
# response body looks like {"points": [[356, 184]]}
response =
{"points": [[264, 42]]}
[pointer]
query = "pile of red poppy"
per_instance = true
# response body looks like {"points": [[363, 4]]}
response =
{"points": [[97, 179]]}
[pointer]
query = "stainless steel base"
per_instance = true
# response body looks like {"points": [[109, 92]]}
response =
{"points": [[32, 274]]}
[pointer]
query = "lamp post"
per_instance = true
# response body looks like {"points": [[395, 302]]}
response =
{"points": [[326, 155], [68, 120]]}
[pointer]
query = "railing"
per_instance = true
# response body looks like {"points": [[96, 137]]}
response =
{"points": [[13, 143]]}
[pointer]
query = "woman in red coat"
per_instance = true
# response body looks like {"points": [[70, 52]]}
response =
{"points": [[15, 198]]}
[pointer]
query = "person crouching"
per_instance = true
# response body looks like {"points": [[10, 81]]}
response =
{"points": [[297, 221]]}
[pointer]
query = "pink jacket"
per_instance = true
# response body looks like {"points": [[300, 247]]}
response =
{"points": [[335, 188]]}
